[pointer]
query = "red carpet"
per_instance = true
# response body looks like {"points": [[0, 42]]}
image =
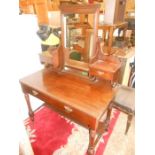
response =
{"points": [[52, 134]]}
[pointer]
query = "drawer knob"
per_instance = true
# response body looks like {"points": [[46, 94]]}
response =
{"points": [[34, 92], [68, 109], [100, 73]]}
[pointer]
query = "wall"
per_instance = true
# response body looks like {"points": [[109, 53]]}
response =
{"points": [[28, 62]]}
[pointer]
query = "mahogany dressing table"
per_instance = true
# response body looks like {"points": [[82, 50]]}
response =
{"points": [[77, 97]]}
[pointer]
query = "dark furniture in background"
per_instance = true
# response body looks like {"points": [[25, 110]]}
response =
{"points": [[124, 98]]}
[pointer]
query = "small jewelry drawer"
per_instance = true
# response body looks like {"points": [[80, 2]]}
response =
{"points": [[102, 74]]}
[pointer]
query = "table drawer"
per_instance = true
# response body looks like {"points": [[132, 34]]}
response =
{"points": [[74, 115], [62, 108], [102, 74]]}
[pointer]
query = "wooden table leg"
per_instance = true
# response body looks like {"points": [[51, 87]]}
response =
{"points": [[30, 111], [91, 147]]}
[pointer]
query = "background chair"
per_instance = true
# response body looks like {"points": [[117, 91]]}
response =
{"points": [[124, 99]]}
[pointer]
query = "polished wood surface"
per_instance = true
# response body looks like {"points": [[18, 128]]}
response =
{"points": [[79, 99], [91, 98], [80, 9], [105, 67], [106, 70]]}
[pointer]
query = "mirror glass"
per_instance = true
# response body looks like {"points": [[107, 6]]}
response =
{"points": [[79, 36]]}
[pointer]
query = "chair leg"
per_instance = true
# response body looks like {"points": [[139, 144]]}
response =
{"points": [[128, 123], [107, 121]]}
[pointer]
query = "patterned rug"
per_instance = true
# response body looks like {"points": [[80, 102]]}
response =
{"points": [[52, 134]]}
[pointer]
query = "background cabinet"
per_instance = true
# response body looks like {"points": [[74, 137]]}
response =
{"points": [[114, 11]]}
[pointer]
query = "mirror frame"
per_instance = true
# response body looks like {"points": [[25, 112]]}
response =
{"points": [[80, 9]]}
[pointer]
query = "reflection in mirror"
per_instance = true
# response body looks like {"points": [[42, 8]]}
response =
{"points": [[79, 32], [79, 28]]}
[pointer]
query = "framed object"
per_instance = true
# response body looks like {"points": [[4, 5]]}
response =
{"points": [[79, 26]]}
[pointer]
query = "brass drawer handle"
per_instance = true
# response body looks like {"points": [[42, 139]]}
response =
{"points": [[68, 109], [100, 73], [34, 92]]}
